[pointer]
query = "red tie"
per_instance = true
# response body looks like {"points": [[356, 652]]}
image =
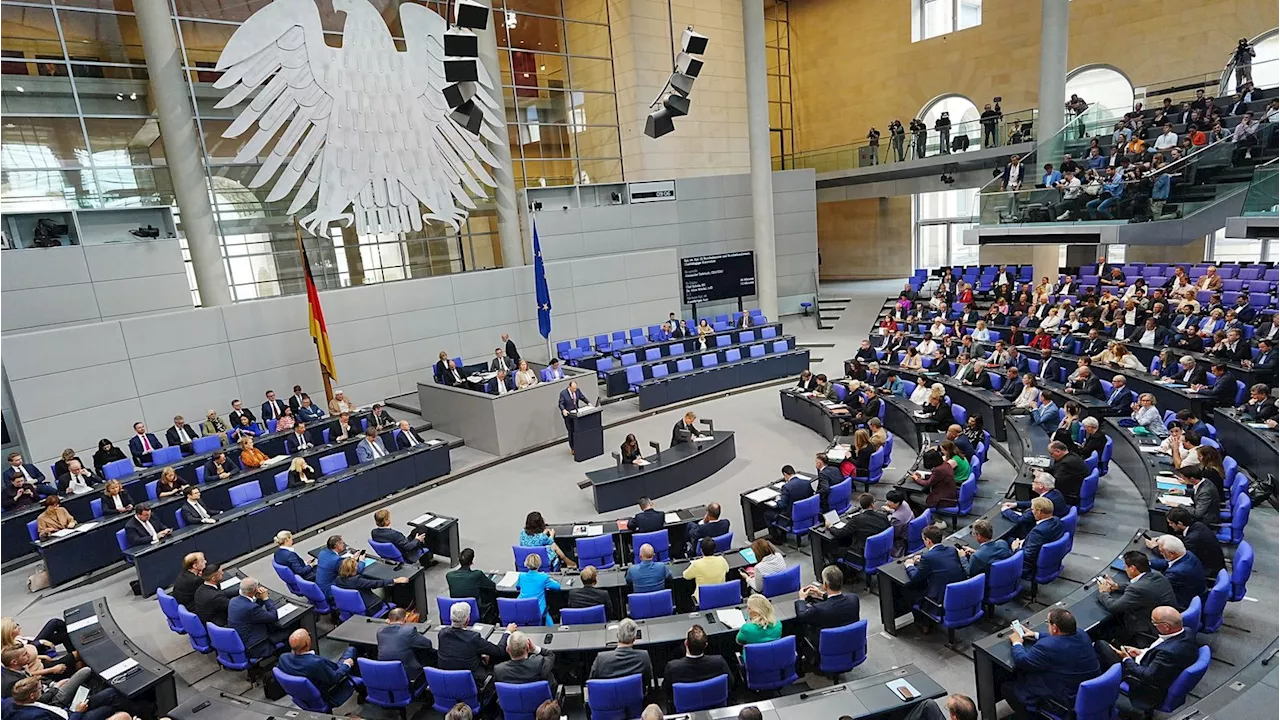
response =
{"points": [[146, 444]]}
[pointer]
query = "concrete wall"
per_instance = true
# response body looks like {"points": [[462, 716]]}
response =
{"points": [[710, 215], [42, 288], [73, 386], [865, 239]]}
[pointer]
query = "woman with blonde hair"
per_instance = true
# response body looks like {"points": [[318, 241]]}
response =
{"points": [[300, 473], [53, 634], [525, 377], [114, 499], [936, 391], [533, 583], [349, 578], [251, 456], [762, 624], [169, 483], [60, 467]]}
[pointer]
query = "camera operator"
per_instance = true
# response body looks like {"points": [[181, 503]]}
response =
{"points": [[919, 135], [943, 126], [897, 137], [873, 142], [1243, 61], [1077, 105], [991, 124]]}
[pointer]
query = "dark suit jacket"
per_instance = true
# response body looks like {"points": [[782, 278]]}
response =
{"points": [[531, 669], [135, 445], [1068, 474], [184, 588], [1093, 443], [64, 481], [1203, 543], [676, 434], [324, 673], [941, 416], [585, 597], [1092, 386], [860, 526], [1205, 499], [1266, 361], [700, 530], [512, 352], [291, 444], [1150, 680], [173, 437], [1053, 666], [622, 662], [252, 620], [1255, 411], [1133, 602], [402, 643], [272, 410], [570, 401], [210, 605], [938, 566], [465, 582], [1223, 391], [295, 402], [189, 514], [353, 430], [291, 560], [650, 520], [836, 611], [460, 649], [1119, 402], [1162, 335], [234, 417], [135, 534], [402, 442], [1042, 534], [211, 469], [695, 669], [793, 490], [987, 554], [409, 547], [1196, 377], [1187, 577], [828, 477]]}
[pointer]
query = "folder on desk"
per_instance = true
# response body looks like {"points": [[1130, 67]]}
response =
{"points": [[903, 689], [1181, 500], [732, 617], [671, 518], [86, 527], [422, 519], [764, 494], [640, 461], [749, 555], [594, 530], [284, 610], [1166, 486], [509, 579]]}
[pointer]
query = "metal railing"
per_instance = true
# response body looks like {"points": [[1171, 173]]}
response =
{"points": [[1263, 197], [1218, 83]]}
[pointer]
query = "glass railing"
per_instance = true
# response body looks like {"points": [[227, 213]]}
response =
{"points": [[1012, 128], [1218, 83], [1263, 197]]}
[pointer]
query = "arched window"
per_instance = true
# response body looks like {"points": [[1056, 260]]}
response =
{"points": [[1265, 66], [964, 120], [1101, 84]]}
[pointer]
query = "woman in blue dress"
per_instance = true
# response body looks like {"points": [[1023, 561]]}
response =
{"points": [[537, 534], [534, 584]]}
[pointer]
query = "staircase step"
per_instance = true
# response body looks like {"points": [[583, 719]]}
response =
{"points": [[833, 300], [815, 345]]}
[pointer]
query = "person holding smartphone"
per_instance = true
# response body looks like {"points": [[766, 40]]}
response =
{"points": [[1052, 667]]}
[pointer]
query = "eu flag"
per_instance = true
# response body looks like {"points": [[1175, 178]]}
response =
{"points": [[540, 287]]}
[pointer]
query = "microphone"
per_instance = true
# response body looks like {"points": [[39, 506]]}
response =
{"points": [[657, 449]]}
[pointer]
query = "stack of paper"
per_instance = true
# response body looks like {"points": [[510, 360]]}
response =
{"points": [[509, 579], [837, 454], [1176, 499], [229, 583], [65, 532], [438, 523], [594, 530], [285, 609], [762, 495], [732, 617], [703, 438], [1149, 449], [422, 519], [86, 527], [640, 461], [671, 518]]}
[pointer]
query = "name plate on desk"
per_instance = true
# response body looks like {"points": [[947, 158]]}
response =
{"points": [[82, 624], [284, 610], [119, 668]]}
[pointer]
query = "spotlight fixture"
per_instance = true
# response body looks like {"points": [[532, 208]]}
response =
{"points": [[615, 198], [511, 19], [471, 14], [673, 100], [458, 93], [469, 116], [537, 205]]}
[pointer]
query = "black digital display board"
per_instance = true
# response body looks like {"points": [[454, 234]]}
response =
{"points": [[718, 277]]}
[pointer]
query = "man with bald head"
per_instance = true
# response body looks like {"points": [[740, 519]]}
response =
{"points": [[528, 663], [252, 614], [710, 526], [648, 575], [1151, 671], [333, 679]]}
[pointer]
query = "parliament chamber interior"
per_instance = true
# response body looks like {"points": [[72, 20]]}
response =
{"points": [[580, 359]]}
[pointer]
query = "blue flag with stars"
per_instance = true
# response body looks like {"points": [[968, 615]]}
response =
{"points": [[540, 287]]}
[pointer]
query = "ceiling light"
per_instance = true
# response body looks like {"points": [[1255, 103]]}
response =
{"points": [[119, 97], [19, 88], [133, 96], [526, 74], [542, 67]]}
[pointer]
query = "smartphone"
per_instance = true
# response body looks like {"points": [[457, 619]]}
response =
{"points": [[546, 639], [1017, 627]]}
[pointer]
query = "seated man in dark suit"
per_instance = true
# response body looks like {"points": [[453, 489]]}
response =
{"points": [[29, 472], [1205, 496], [189, 580], [828, 476], [501, 384], [1094, 439], [181, 434], [1120, 401], [1085, 384], [404, 644], [32, 700], [825, 607], [1133, 602], [648, 519], [142, 444], [710, 526], [932, 570], [286, 555], [210, 604], [977, 561], [334, 680], [467, 582], [461, 648], [794, 489], [684, 430], [1052, 667], [1068, 471], [220, 467], [1020, 512], [589, 595], [298, 440], [1152, 672], [625, 659], [1223, 392], [528, 663], [1182, 569], [193, 511], [252, 614], [142, 529], [696, 665], [411, 548], [862, 524], [405, 436], [1197, 538], [1259, 408], [1047, 528]]}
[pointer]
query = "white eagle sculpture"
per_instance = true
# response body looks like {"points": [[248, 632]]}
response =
{"points": [[364, 125]]}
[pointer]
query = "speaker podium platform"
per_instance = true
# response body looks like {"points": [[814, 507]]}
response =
{"points": [[587, 434]]}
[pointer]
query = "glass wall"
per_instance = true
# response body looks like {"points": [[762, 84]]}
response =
{"points": [[940, 221], [80, 130], [777, 49], [1221, 248]]}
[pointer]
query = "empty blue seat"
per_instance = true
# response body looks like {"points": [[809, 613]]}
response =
{"points": [[205, 444], [691, 697], [710, 360], [335, 462], [756, 351], [878, 551], [842, 649], [660, 371], [628, 359], [804, 516], [768, 333], [197, 633], [780, 346], [166, 455], [596, 551], [723, 340], [718, 595], [117, 469], [783, 583], [733, 355], [771, 665], [684, 365], [450, 687], [387, 684], [245, 493], [651, 604], [747, 336], [616, 699], [520, 701], [169, 607], [584, 616], [961, 605], [675, 349], [635, 376], [651, 354]]}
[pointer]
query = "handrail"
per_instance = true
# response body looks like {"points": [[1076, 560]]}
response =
{"points": [[1263, 194], [1091, 115], [1217, 82]]}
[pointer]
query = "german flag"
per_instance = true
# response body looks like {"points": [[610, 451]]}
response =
{"points": [[319, 333]]}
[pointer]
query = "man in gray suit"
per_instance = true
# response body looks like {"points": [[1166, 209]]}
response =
{"points": [[1132, 603], [626, 660], [1205, 497], [371, 447], [500, 361], [403, 644], [528, 663]]}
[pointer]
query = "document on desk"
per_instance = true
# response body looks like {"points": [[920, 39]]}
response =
{"points": [[509, 579], [671, 518], [65, 532], [1257, 426], [422, 519], [594, 530], [284, 610], [82, 624], [275, 460], [121, 667], [1181, 500], [1149, 449], [762, 495], [229, 583], [703, 438], [579, 530], [438, 523], [86, 527], [640, 461], [732, 617], [903, 689]]}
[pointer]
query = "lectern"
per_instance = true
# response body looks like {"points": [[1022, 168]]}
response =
{"points": [[588, 435]]}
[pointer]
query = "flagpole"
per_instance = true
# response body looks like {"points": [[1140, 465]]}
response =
{"points": [[324, 376]]}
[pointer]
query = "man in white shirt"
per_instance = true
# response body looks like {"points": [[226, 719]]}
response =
{"points": [[193, 511], [371, 447], [1167, 139], [1070, 187], [77, 480], [927, 346]]}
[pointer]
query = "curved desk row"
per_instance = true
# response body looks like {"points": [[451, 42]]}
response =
{"points": [[1253, 445], [103, 646], [1168, 395], [1143, 468], [1204, 360], [94, 547], [252, 526], [1250, 694], [615, 378], [669, 471], [901, 419], [990, 406], [810, 412], [220, 705], [993, 657], [708, 381], [677, 522], [16, 543], [868, 697]]}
